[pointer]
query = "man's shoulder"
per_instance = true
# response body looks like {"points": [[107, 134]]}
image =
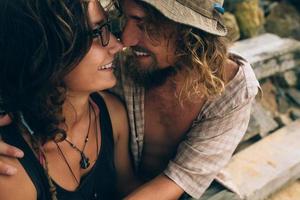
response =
{"points": [[244, 81], [240, 90]]}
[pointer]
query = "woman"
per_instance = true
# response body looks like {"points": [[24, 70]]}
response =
{"points": [[54, 56]]}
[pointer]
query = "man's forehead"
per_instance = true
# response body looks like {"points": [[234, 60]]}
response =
{"points": [[132, 8]]}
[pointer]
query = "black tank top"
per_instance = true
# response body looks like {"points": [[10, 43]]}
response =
{"points": [[99, 183]]}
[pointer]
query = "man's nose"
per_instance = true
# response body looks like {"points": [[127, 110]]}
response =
{"points": [[131, 34]]}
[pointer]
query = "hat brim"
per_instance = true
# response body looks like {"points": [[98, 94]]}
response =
{"points": [[181, 14]]}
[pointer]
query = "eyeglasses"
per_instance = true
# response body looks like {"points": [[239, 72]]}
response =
{"points": [[118, 7], [102, 33]]}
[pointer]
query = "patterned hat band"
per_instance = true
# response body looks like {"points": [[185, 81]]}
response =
{"points": [[202, 14]]}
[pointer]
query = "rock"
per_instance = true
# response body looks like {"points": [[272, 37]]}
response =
{"points": [[298, 75], [295, 3], [230, 5], [232, 26], [283, 20], [223, 195], [289, 192], [294, 94], [263, 119], [253, 128], [295, 113], [283, 105], [267, 5], [250, 18], [269, 54], [288, 79], [268, 100], [283, 119]]}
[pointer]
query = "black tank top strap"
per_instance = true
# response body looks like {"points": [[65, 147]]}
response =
{"points": [[105, 120], [101, 180]]}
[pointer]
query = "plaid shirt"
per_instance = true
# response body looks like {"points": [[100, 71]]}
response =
{"points": [[211, 140]]}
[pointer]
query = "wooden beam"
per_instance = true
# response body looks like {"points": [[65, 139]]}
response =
{"points": [[267, 165], [269, 54]]}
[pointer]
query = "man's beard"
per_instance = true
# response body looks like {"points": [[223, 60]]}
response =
{"points": [[150, 76]]}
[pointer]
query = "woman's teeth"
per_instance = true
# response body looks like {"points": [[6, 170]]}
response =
{"points": [[139, 53], [108, 66]]}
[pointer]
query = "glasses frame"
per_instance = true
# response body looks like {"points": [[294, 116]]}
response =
{"points": [[98, 33], [118, 7]]}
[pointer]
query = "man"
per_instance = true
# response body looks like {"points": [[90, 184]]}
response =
{"points": [[188, 99]]}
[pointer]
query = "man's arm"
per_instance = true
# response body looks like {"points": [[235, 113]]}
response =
{"points": [[8, 150], [160, 187], [205, 151]]}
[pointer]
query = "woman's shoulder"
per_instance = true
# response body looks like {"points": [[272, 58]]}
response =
{"points": [[114, 105], [112, 101], [117, 112], [18, 186]]}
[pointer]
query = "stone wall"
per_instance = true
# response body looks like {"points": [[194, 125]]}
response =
{"points": [[249, 18], [276, 63]]}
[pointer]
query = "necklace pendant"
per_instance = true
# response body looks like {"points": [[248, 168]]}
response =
{"points": [[95, 196], [84, 161]]}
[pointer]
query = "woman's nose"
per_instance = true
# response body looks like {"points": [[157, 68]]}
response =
{"points": [[114, 44]]}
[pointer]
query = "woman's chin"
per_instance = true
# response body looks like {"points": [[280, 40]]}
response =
{"points": [[108, 84]]}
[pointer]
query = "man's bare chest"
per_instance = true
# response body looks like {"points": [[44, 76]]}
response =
{"points": [[166, 125], [167, 119], [166, 122]]}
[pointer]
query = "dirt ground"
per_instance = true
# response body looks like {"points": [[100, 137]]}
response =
{"points": [[290, 192]]}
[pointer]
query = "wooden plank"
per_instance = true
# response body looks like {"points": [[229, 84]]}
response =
{"points": [[252, 130], [261, 122], [267, 165], [289, 192], [265, 121], [224, 195], [269, 54]]}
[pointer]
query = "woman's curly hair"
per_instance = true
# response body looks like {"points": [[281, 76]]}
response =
{"points": [[40, 42], [200, 56]]}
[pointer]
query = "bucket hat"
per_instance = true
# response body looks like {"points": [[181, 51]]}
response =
{"points": [[201, 14]]}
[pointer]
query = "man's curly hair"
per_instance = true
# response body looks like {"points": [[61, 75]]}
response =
{"points": [[203, 56], [200, 56]]}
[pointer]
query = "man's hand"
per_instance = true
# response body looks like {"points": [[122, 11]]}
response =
{"points": [[8, 150], [4, 120]]}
